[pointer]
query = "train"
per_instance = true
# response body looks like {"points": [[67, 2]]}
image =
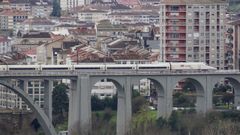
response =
{"points": [[167, 66]]}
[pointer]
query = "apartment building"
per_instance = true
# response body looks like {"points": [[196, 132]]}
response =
{"points": [[41, 9], [92, 15], [5, 45], [233, 44], [193, 31], [72, 4], [9, 99], [134, 17], [10, 17]]}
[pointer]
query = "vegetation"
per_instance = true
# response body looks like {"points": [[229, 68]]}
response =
{"points": [[101, 104], [60, 103], [223, 95]]}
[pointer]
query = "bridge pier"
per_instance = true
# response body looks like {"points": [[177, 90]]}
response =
{"points": [[160, 105], [124, 108], [74, 108], [23, 84], [168, 107], [48, 89], [121, 112], [79, 122], [85, 105], [208, 91]]}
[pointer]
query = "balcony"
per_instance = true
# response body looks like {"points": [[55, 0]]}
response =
{"points": [[175, 52], [170, 59], [176, 38], [175, 45], [181, 16], [182, 9], [175, 31], [169, 23]]}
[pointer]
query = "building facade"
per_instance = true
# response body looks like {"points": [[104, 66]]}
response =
{"points": [[5, 45], [71, 4], [193, 31], [9, 18]]}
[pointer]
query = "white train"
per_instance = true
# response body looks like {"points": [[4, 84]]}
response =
{"points": [[113, 67]]}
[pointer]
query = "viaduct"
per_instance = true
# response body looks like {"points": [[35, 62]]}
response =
{"points": [[79, 122]]}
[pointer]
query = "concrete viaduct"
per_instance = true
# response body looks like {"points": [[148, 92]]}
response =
{"points": [[79, 122]]}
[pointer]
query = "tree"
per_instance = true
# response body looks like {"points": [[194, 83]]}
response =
{"points": [[228, 98], [97, 104], [188, 86], [137, 103], [60, 101], [56, 9]]}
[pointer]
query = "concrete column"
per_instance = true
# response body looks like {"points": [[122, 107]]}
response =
{"points": [[23, 84], [160, 104], [121, 112], [168, 96], [237, 100], [74, 108], [236, 86], [48, 88], [209, 93], [85, 105], [200, 103], [128, 102], [201, 98]]}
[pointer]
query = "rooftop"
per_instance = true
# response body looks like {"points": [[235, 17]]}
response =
{"points": [[38, 21], [186, 2], [11, 12], [3, 39], [37, 35]]}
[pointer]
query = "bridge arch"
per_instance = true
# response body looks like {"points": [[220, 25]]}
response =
{"points": [[45, 123], [198, 83], [122, 112], [235, 83], [159, 94]]}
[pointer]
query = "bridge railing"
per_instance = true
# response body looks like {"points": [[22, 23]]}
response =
{"points": [[125, 72]]}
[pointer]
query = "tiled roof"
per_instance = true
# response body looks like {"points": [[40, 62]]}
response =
{"points": [[38, 21], [192, 1], [32, 51], [37, 35], [3, 39], [82, 31], [128, 2], [12, 12]]}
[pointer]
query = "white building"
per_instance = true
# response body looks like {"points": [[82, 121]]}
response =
{"points": [[71, 4], [41, 9], [9, 99], [35, 24], [5, 45], [104, 89], [92, 15]]}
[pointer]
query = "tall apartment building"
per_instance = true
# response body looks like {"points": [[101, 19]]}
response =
{"points": [[193, 31], [71, 4], [233, 44], [35, 89]]}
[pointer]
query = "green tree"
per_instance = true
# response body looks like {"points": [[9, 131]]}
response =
{"points": [[60, 101], [96, 103], [56, 9], [228, 98], [188, 86]]}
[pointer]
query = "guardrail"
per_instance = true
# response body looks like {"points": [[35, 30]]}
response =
{"points": [[123, 72]]}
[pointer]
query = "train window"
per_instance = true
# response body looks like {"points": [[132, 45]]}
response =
{"points": [[152, 67], [54, 68], [87, 68], [21, 68], [119, 67]]}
